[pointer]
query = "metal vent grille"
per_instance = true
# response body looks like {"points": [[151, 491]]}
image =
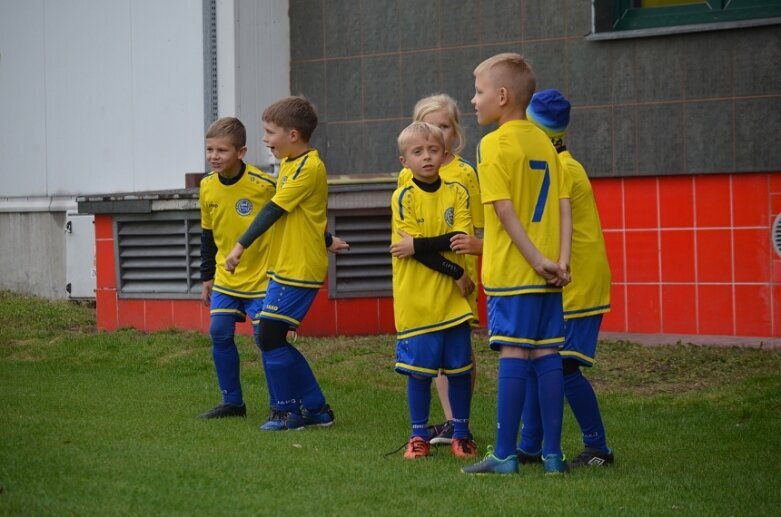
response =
{"points": [[776, 234], [366, 269], [159, 255]]}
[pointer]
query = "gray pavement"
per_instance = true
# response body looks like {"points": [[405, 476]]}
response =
{"points": [[692, 339]]}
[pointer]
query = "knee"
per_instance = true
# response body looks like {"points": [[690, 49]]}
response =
{"points": [[271, 335], [221, 328]]}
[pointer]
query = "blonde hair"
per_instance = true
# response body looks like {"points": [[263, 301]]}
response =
{"points": [[446, 103], [231, 128], [513, 72], [417, 129]]}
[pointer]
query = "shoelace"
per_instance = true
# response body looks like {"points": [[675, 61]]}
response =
{"points": [[418, 446], [465, 445], [433, 447]]}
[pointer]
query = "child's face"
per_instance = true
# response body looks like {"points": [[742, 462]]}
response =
{"points": [[224, 158], [278, 139], [486, 100], [441, 119], [423, 156]]}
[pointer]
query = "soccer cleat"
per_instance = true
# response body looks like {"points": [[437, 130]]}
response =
{"points": [[554, 464], [322, 418], [591, 457], [224, 411], [283, 421], [493, 465], [441, 433], [417, 447], [463, 447], [525, 458]]}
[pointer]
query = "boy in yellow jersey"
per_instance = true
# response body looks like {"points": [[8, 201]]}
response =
{"points": [[442, 111], [230, 196], [525, 258], [430, 286], [298, 264], [586, 299]]}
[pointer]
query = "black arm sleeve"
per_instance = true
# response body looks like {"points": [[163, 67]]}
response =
{"points": [[267, 216], [329, 239], [440, 264], [208, 252], [438, 243]]}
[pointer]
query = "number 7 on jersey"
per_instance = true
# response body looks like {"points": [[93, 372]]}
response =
{"points": [[539, 165]]}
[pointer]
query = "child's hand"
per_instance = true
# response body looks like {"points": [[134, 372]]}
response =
{"points": [[338, 245], [403, 248], [233, 258], [466, 244], [206, 292], [551, 272], [465, 285], [564, 272]]}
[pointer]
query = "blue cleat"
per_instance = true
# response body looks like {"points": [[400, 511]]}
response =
{"points": [[283, 421], [554, 464], [321, 418], [493, 465]]}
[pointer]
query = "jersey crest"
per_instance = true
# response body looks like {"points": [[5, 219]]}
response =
{"points": [[450, 216], [244, 207]]}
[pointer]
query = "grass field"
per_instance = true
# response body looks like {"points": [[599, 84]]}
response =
{"points": [[97, 423]]}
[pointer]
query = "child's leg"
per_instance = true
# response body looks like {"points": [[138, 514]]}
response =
{"points": [[550, 383], [583, 401], [312, 397], [264, 361], [226, 358], [419, 400], [280, 365], [443, 392], [460, 394], [511, 392], [531, 430]]}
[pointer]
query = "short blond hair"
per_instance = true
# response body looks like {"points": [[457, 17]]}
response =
{"points": [[446, 103], [417, 129], [231, 128], [513, 72]]}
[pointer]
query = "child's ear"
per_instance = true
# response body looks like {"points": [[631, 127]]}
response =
{"points": [[403, 161], [503, 96], [294, 135], [242, 152]]}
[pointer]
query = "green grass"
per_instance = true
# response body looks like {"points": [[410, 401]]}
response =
{"points": [[97, 423]]}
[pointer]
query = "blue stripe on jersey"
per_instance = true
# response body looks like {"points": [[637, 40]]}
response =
{"points": [[478, 153], [547, 287], [300, 166], [468, 200], [590, 309], [401, 205], [267, 180], [284, 280], [468, 162]]}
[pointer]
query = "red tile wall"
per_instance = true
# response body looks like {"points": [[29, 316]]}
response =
{"points": [[707, 267], [689, 255]]}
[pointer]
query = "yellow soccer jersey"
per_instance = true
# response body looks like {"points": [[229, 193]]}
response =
{"points": [[517, 162], [589, 292], [425, 300], [462, 173], [300, 257], [228, 210]]}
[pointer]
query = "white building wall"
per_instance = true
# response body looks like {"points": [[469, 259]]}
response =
{"points": [[99, 96]]}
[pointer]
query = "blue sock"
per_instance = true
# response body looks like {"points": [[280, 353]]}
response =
{"points": [[511, 391], [583, 401], [531, 430], [550, 383], [226, 359], [271, 397], [419, 400], [459, 392], [280, 366], [312, 397]]}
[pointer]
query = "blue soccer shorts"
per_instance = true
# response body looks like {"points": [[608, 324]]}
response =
{"points": [[287, 303], [582, 335], [448, 351], [534, 320], [227, 305]]}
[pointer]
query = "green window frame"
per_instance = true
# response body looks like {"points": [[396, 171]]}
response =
{"points": [[627, 15]]}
